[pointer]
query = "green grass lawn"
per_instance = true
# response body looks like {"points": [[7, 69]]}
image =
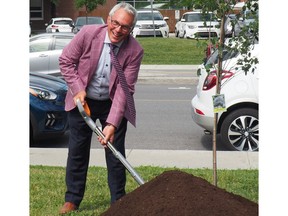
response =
{"points": [[47, 187], [172, 51]]}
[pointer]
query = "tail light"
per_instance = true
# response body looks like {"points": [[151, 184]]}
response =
{"points": [[54, 26], [199, 112], [211, 79]]}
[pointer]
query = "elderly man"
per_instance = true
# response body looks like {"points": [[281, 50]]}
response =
{"points": [[94, 76]]}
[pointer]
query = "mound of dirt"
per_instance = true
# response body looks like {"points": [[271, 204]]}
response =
{"points": [[178, 193]]}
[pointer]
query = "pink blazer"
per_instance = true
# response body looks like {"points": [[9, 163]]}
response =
{"points": [[79, 60]]}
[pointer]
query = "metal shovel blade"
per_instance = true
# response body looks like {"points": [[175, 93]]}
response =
{"points": [[116, 153]]}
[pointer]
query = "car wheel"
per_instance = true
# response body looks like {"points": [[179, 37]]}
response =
{"points": [[240, 130], [182, 35]]}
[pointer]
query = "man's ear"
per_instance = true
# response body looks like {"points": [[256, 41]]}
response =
{"points": [[108, 19]]}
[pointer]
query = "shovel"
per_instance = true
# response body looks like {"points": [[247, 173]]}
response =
{"points": [[86, 116]]}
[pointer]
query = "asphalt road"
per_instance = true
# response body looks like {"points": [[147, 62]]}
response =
{"points": [[164, 120]]}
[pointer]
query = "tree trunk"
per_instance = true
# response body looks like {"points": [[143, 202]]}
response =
{"points": [[218, 89]]}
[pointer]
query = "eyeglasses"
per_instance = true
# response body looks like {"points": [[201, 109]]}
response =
{"points": [[124, 28]]}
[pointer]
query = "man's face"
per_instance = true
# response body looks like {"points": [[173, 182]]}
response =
{"points": [[119, 25]]}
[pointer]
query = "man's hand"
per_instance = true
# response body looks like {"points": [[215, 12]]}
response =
{"points": [[108, 131], [81, 95]]}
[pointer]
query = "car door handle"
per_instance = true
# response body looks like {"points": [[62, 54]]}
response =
{"points": [[43, 55]]}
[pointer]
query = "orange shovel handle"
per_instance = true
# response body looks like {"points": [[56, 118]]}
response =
{"points": [[87, 109]]}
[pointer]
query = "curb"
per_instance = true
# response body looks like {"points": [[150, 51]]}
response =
{"points": [[169, 67]]}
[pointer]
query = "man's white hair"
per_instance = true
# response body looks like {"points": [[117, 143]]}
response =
{"points": [[128, 8]]}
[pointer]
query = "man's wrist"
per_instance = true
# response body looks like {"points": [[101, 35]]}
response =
{"points": [[111, 125]]}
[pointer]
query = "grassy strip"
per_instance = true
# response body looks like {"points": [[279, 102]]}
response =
{"points": [[172, 51], [47, 187]]}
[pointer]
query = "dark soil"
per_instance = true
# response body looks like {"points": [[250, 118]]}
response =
{"points": [[176, 193]]}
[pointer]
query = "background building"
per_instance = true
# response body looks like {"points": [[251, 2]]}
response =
{"points": [[41, 11]]}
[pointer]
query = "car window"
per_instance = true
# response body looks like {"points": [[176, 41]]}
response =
{"points": [[91, 20], [213, 59], [60, 43], [198, 17], [148, 16], [80, 21], [95, 20], [63, 22], [40, 45], [194, 18]]}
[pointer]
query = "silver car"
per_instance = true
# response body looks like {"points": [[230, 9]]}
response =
{"points": [[45, 50]]}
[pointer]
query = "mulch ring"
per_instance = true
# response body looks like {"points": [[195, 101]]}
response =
{"points": [[176, 193]]}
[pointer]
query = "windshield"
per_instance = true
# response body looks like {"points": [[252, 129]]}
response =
{"points": [[63, 22], [148, 16], [213, 59], [198, 17], [90, 20]]}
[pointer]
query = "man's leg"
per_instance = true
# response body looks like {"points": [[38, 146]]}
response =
{"points": [[116, 170], [78, 157]]}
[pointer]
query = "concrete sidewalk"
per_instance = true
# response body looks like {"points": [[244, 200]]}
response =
{"points": [[163, 158], [169, 74]]}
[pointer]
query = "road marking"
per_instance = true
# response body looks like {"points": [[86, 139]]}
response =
{"points": [[178, 88]]}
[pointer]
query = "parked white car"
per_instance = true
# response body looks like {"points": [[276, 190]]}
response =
{"points": [[195, 24], [59, 24], [239, 124], [151, 23]]}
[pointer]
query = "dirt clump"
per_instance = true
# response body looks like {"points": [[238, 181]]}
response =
{"points": [[176, 193]]}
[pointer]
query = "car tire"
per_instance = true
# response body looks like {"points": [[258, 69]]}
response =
{"points": [[240, 130], [185, 35], [182, 35], [176, 34]]}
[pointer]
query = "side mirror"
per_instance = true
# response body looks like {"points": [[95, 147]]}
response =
{"points": [[46, 24], [183, 20], [166, 18]]}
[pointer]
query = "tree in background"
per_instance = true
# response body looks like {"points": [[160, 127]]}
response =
{"points": [[243, 44], [89, 5]]}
